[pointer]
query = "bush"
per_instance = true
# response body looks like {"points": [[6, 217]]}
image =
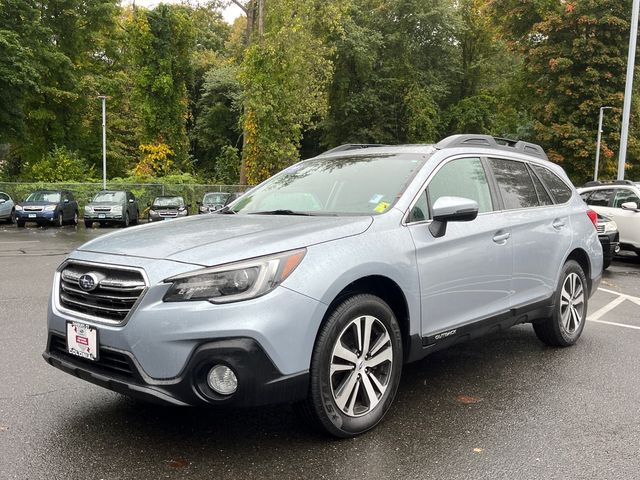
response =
{"points": [[60, 165]]}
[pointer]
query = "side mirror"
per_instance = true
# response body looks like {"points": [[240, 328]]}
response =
{"points": [[451, 209], [131, 200], [2, 200], [630, 206], [198, 203], [66, 200]]}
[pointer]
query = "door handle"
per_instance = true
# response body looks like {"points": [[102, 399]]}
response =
{"points": [[558, 223], [502, 237]]}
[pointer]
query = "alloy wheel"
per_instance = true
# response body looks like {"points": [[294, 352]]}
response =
{"points": [[572, 303], [361, 366]]}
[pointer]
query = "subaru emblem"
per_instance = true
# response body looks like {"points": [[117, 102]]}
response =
{"points": [[88, 282]]}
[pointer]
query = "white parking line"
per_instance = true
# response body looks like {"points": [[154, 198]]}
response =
{"points": [[27, 241], [595, 316]]}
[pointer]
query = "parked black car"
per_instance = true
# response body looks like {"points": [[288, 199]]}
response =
{"points": [[112, 207], [609, 238], [48, 207], [167, 207], [213, 201]]}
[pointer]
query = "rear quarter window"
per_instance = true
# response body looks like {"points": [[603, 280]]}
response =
{"points": [[560, 191]]}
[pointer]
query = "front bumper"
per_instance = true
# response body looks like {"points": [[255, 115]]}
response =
{"points": [[259, 381], [41, 217], [103, 217], [269, 340]]}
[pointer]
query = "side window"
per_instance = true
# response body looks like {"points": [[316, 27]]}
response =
{"points": [[4, 197], [543, 195], [600, 198], [624, 195], [560, 191], [515, 183], [464, 177], [420, 210], [585, 197]]}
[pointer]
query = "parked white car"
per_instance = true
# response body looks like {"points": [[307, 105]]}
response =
{"points": [[7, 208], [620, 201]]}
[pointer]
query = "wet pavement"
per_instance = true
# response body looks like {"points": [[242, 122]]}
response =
{"points": [[504, 406]]}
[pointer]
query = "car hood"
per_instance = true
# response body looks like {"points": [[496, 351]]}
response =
{"points": [[104, 204], [217, 239]]}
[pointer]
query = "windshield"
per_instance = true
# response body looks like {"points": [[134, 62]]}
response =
{"points": [[168, 202], [109, 197], [49, 197], [215, 198], [367, 184]]}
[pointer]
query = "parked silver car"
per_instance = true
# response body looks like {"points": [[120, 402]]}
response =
{"points": [[7, 208], [318, 285]]}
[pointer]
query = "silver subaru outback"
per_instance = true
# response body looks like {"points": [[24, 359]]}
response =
{"points": [[318, 285]]}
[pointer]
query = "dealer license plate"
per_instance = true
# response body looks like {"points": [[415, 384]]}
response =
{"points": [[82, 340], [32, 215]]}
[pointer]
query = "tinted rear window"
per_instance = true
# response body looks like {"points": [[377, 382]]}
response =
{"points": [[560, 190], [515, 184]]}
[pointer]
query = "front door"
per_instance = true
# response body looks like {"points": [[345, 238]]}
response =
{"points": [[465, 275]]}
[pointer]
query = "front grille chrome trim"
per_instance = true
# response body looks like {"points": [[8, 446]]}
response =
{"points": [[135, 290]]}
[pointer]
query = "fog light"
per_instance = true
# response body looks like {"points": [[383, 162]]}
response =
{"points": [[222, 380]]}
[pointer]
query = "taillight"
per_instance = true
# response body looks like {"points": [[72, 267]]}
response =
{"points": [[593, 216]]}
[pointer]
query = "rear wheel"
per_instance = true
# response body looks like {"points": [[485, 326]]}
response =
{"points": [[355, 367], [565, 326], [12, 217]]}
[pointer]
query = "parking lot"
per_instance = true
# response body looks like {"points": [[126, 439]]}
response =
{"points": [[504, 406]]}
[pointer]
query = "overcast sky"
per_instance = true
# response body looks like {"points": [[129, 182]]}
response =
{"points": [[230, 13]]}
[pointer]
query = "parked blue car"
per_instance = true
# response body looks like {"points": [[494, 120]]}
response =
{"points": [[7, 208], [48, 207]]}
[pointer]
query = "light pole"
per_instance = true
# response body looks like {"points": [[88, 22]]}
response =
{"points": [[104, 141], [626, 111], [595, 173]]}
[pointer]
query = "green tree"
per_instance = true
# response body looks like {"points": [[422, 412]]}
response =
{"points": [[162, 42], [60, 165]]}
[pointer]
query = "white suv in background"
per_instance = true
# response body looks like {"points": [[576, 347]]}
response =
{"points": [[619, 200]]}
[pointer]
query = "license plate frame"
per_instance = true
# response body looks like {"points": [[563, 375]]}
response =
{"points": [[83, 341]]}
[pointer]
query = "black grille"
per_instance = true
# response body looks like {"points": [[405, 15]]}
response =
{"points": [[109, 361], [116, 291]]}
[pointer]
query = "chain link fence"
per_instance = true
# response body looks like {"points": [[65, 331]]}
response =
{"points": [[144, 192]]}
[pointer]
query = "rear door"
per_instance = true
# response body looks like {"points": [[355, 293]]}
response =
{"points": [[465, 275], [540, 227], [628, 221]]}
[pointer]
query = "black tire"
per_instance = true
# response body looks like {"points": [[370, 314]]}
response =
{"points": [[60, 220], [554, 331], [75, 218], [606, 263], [125, 222], [88, 223], [12, 217], [134, 221], [20, 223], [320, 406]]}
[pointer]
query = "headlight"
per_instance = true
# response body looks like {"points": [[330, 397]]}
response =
{"points": [[117, 209], [18, 208], [610, 227], [88, 210], [50, 208], [234, 282]]}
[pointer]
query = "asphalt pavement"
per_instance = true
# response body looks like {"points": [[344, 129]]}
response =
{"points": [[502, 407]]}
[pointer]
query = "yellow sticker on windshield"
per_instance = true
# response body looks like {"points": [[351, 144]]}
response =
{"points": [[381, 207]]}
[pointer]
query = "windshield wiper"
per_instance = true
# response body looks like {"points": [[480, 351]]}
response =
{"points": [[225, 211], [281, 212]]}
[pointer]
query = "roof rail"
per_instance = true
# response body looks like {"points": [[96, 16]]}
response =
{"points": [[488, 141], [595, 183], [352, 146]]}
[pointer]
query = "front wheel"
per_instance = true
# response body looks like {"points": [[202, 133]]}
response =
{"points": [[355, 367], [565, 326], [125, 222], [60, 220], [75, 218]]}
